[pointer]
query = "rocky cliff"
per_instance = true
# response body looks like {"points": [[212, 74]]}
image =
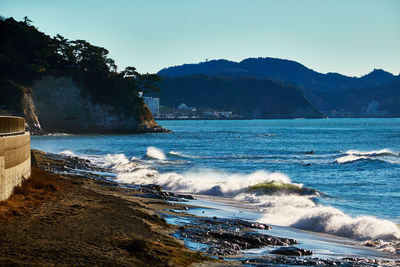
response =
{"points": [[16, 99], [60, 85], [63, 106]]}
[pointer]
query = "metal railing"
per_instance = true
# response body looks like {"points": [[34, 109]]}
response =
{"points": [[11, 125]]}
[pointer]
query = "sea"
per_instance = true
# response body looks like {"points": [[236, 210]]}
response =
{"points": [[338, 178]]}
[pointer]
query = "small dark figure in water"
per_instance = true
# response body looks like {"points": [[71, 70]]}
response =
{"points": [[308, 164], [310, 152]]}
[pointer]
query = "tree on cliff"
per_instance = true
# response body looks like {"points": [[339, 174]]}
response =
{"points": [[26, 54], [145, 83]]}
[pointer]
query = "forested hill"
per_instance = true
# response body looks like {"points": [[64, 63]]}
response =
{"points": [[282, 70], [72, 69], [376, 94], [251, 98]]}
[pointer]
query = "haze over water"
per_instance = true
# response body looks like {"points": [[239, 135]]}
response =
{"points": [[351, 167]]}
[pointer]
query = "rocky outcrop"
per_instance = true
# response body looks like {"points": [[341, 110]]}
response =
{"points": [[292, 251], [30, 115], [16, 100], [63, 106]]}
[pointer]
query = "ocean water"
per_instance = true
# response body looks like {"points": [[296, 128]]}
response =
{"points": [[334, 176]]}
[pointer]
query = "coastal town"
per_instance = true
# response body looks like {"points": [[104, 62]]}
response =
{"points": [[185, 112]]}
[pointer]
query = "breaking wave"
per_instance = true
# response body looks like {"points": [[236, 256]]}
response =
{"points": [[207, 182], [302, 212], [380, 155], [120, 163], [272, 187], [155, 153], [281, 201], [68, 153], [333, 221], [181, 155]]}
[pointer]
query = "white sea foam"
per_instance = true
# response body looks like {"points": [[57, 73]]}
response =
{"points": [[294, 210], [279, 209], [301, 212], [350, 158], [155, 153], [382, 152], [356, 155], [209, 182], [58, 134], [385, 246], [67, 153], [333, 221], [119, 163]]}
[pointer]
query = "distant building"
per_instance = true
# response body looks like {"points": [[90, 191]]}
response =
{"points": [[217, 114], [225, 114], [153, 104], [183, 106]]}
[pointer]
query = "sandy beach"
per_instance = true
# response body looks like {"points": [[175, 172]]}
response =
{"points": [[77, 221]]}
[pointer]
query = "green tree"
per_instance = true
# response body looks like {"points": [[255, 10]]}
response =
{"points": [[148, 82]]}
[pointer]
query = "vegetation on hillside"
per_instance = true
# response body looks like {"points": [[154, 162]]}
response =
{"points": [[247, 97], [376, 94], [27, 54]]}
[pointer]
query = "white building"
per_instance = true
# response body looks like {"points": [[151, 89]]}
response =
{"points": [[154, 105]]}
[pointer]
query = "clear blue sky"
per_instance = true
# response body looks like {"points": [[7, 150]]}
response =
{"points": [[351, 37]]}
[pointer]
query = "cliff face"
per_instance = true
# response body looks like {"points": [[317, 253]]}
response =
{"points": [[16, 100], [63, 106], [74, 85]]}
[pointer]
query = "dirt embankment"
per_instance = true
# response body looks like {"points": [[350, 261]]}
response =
{"points": [[69, 220]]}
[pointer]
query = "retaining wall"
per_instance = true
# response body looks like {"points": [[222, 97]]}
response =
{"points": [[15, 155]]}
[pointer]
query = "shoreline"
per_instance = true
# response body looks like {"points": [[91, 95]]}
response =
{"points": [[117, 216], [87, 222]]}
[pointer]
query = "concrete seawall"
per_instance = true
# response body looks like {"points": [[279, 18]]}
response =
{"points": [[15, 156]]}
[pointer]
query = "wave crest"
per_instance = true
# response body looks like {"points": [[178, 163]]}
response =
{"points": [[385, 155], [119, 163], [333, 221], [208, 182], [274, 187], [181, 155], [155, 153]]}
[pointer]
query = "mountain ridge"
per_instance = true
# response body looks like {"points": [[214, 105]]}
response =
{"points": [[376, 94], [246, 97], [281, 70]]}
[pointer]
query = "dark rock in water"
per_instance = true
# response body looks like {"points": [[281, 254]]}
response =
{"points": [[228, 236], [153, 187], [292, 251], [186, 196], [230, 242]]}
